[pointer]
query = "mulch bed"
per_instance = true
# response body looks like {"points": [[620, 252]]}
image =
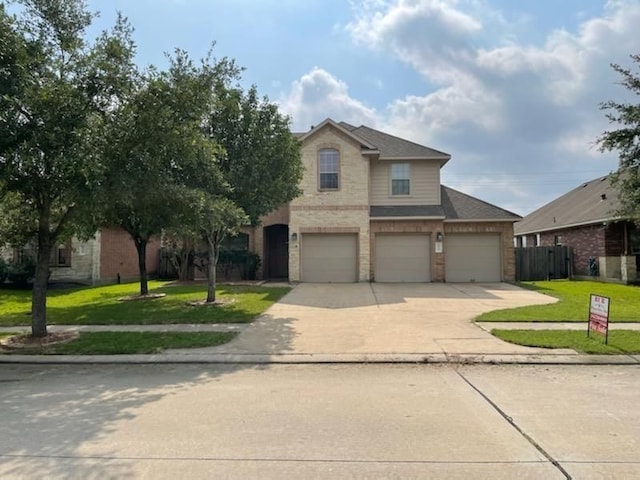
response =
{"points": [[217, 303], [27, 342], [148, 296]]}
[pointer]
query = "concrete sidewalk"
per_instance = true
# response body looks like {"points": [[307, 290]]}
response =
{"points": [[184, 327], [488, 326], [363, 323]]}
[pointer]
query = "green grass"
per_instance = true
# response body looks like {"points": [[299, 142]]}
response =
{"points": [[100, 305], [620, 341], [112, 343], [573, 304]]}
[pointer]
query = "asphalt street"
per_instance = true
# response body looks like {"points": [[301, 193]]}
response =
{"points": [[319, 421]]}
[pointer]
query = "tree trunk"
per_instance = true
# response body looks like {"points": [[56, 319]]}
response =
{"points": [[41, 279], [141, 247], [211, 273]]}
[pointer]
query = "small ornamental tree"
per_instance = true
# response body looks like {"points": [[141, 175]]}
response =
{"points": [[626, 142], [218, 218], [55, 93]]}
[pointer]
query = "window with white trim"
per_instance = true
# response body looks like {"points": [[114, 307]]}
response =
{"points": [[329, 168], [400, 179]]}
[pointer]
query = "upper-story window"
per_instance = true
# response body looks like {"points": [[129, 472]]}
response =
{"points": [[400, 179], [329, 168]]}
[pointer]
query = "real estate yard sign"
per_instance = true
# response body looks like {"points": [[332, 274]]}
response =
{"points": [[599, 316]]}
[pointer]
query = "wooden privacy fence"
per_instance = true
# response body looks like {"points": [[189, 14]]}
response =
{"points": [[543, 263]]}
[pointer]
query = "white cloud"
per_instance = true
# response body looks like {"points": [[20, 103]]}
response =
{"points": [[505, 106], [318, 95]]}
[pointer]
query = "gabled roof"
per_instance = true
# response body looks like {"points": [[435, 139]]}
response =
{"points": [[456, 206], [391, 146], [592, 202], [387, 146], [460, 206], [340, 127]]}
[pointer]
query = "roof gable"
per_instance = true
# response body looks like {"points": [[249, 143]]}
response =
{"points": [[328, 122], [594, 201]]}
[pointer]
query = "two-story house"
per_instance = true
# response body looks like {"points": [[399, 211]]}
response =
{"points": [[372, 209]]}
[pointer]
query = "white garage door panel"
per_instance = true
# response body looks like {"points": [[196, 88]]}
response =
{"points": [[329, 257], [472, 258], [402, 258]]}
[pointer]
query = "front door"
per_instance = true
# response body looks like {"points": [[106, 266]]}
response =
{"points": [[277, 251]]}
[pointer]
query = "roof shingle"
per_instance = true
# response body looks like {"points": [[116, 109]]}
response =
{"points": [[592, 202]]}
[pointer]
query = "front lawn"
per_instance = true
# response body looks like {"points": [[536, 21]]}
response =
{"points": [[620, 341], [112, 343], [573, 304], [100, 305]]}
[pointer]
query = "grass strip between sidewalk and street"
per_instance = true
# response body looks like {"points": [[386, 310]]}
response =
{"points": [[573, 303], [620, 341], [102, 305], [113, 343]]}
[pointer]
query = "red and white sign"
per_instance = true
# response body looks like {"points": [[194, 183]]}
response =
{"points": [[599, 314]]}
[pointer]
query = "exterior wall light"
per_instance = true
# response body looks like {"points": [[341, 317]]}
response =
{"points": [[294, 236], [439, 237]]}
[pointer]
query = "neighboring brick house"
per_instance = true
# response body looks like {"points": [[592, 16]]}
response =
{"points": [[372, 209], [585, 220], [110, 255]]}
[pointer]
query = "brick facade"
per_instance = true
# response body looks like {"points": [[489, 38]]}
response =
{"points": [[586, 242], [118, 255]]}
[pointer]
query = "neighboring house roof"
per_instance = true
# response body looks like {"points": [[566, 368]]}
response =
{"points": [[592, 202], [460, 206], [456, 206]]}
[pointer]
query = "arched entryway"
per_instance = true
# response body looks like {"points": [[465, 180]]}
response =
{"points": [[276, 252]]}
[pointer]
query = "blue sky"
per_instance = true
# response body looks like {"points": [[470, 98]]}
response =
{"points": [[509, 89]]}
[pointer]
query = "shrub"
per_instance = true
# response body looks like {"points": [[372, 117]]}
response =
{"points": [[4, 270], [251, 266], [21, 273]]}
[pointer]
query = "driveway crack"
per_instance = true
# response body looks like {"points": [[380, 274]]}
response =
{"points": [[373, 292], [511, 422]]}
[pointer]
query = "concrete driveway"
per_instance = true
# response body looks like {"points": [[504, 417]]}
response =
{"points": [[378, 318]]}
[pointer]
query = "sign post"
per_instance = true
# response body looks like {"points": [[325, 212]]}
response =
{"points": [[599, 316]]}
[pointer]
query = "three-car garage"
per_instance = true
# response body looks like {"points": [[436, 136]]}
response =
{"points": [[402, 257]]}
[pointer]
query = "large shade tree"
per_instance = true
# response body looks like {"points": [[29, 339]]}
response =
{"points": [[56, 91], [261, 160], [159, 153], [625, 140]]}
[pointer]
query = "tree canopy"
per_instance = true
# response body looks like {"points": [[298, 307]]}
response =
{"points": [[87, 139], [157, 151], [55, 91], [625, 140]]}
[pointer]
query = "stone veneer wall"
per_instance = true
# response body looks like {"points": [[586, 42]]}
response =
{"points": [[332, 211], [83, 260]]}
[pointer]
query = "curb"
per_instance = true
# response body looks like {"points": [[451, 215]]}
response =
{"points": [[306, 359]]}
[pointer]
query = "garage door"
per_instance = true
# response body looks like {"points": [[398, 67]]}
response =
{"points": [[402, 258], [329, 257], [472, 257]]}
